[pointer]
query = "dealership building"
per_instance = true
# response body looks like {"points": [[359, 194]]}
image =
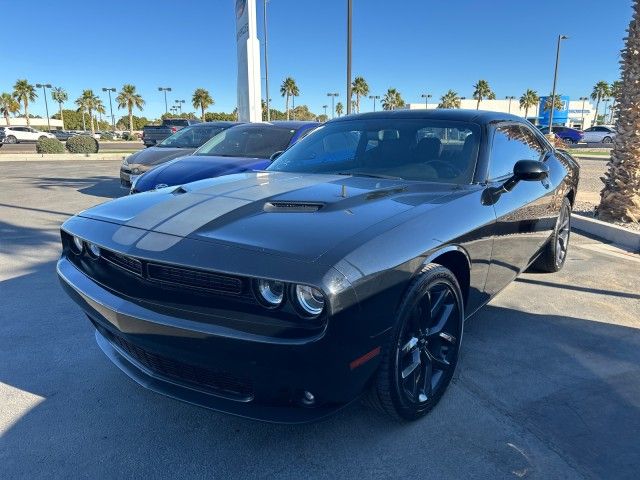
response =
{"points": [[37, 123], [574, 113]]}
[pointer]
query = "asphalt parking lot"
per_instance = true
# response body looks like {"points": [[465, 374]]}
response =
{"points": [[548, 385]]}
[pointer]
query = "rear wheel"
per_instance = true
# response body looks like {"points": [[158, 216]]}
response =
{"points": [[12, 139], [421, 357], [42, 137], [607, 140], [555, 252]]}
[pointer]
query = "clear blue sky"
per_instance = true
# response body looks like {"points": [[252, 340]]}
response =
{"points": [[412, 45]]}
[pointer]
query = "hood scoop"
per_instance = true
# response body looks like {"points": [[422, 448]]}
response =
{"points": [[292, 207]]}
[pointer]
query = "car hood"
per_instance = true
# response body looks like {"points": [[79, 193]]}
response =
{"points": [[152, 156], [196, 167], [300, 216]]}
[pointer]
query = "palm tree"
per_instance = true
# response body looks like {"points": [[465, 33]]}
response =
{"points": [[89, 102], [600, 90], [289, 89], [24, 92], [482, 90], [450, 100], [202, 99], [8, 105], [615, 94], [528, 100], [359, 88], [100, 110], [392, 100], [553, 102], [60, 96], [129, 98], [339, 108], [620, 197]]}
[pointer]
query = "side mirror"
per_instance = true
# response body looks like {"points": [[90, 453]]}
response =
{"points": [[530, 170], [276, 155]]}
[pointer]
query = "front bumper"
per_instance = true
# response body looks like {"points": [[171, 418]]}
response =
{"points": [[150, 346]]}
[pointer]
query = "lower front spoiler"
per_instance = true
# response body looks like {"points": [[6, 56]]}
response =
{"points": [[265, 413]]}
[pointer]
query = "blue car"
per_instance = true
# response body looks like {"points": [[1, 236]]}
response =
{"points": [[242, 148], [569, 135]]}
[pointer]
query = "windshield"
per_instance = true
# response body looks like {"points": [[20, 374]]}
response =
{"points": [[190, 137], [250, 141], [410, 149]]}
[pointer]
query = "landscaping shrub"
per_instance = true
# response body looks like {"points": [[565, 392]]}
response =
{"points": [[129, 136], [82, 144], [49, 145], [106, 136]]}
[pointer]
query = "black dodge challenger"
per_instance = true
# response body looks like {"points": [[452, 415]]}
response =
{"points": [[346, 269]]}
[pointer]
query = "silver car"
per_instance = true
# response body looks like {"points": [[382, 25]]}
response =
{"points": [[599, 134]]}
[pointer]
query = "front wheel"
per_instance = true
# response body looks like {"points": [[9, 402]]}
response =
{"points": [[42, 137], [418, 363], [11, 139], [554, 254]]}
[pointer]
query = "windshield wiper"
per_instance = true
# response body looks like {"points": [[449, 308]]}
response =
{"points": [[370, 175]]}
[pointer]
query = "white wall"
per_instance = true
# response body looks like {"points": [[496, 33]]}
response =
{"points": [[39, 123]]}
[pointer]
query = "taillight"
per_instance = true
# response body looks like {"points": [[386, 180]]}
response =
{"points": [[174, 129]]}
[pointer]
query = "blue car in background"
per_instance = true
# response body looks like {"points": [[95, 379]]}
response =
{"points": [[569, 135], [242, 148]]}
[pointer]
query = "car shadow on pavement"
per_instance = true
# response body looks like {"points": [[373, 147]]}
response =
{"points": [[97, 186], [568, 387]]}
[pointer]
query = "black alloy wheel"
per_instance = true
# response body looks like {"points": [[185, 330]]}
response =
{"points": [[418, 364], [554, 254]]}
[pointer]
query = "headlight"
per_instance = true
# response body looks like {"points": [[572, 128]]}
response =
{"points": [[93, 250], [270, 292], [310, 299], [77, 245]]}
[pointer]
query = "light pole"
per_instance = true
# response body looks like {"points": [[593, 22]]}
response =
{"points": [[426, 97], [44, 87], [604, 118], [113, 120], [374, 98], [333, 103], [179, 105], [349, 12], [584, 99], [510, 98], [293, 107], [555, 80], [325, 110], [266, 61], [165, 90]]}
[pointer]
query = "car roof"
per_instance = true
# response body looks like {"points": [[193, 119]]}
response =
{"points": [[456, 114], [293, 124], [221, 123]]}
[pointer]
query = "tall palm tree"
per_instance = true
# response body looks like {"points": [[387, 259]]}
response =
{"points": [[600, 90], [615, 94], [24, 92], [128, 98], [60, 96], [528, 100], [202, 99], [482, 90], [100, 110], [392, 100], [90, 102], [553, 102], [450, 100], [8, 105], [289, 89], [339, 108], [359, 88], [620, 197]]}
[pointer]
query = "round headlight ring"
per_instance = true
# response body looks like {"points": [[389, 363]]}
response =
{"points": [[93, 250], [310, 300], [77, 245], [270, 293]]}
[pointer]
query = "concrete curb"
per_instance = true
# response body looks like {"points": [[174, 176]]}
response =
{"points": [[62, 157], [604, 158], [620, 236]]}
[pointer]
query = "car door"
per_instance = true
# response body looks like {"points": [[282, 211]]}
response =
{"points": [[33, 134], [525, 215]]}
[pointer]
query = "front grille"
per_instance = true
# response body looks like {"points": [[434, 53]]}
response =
{"points": [[216, 381], [130, 264], [194, 278]]}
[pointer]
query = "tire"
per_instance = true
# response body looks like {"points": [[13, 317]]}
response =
{"points": [[607, 140], [420, 348], [554, 254], [11, 139], [42, 137]]}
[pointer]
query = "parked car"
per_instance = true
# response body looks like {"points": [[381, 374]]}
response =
{"points": [[24, 134], [569, 135], [600, 134], [152, 134], [346, 268], [239, 149], [3, 136], [183, 142], [63, 135]]}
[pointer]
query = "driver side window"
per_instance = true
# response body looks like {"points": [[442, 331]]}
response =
{"points": [[510, 144]]}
